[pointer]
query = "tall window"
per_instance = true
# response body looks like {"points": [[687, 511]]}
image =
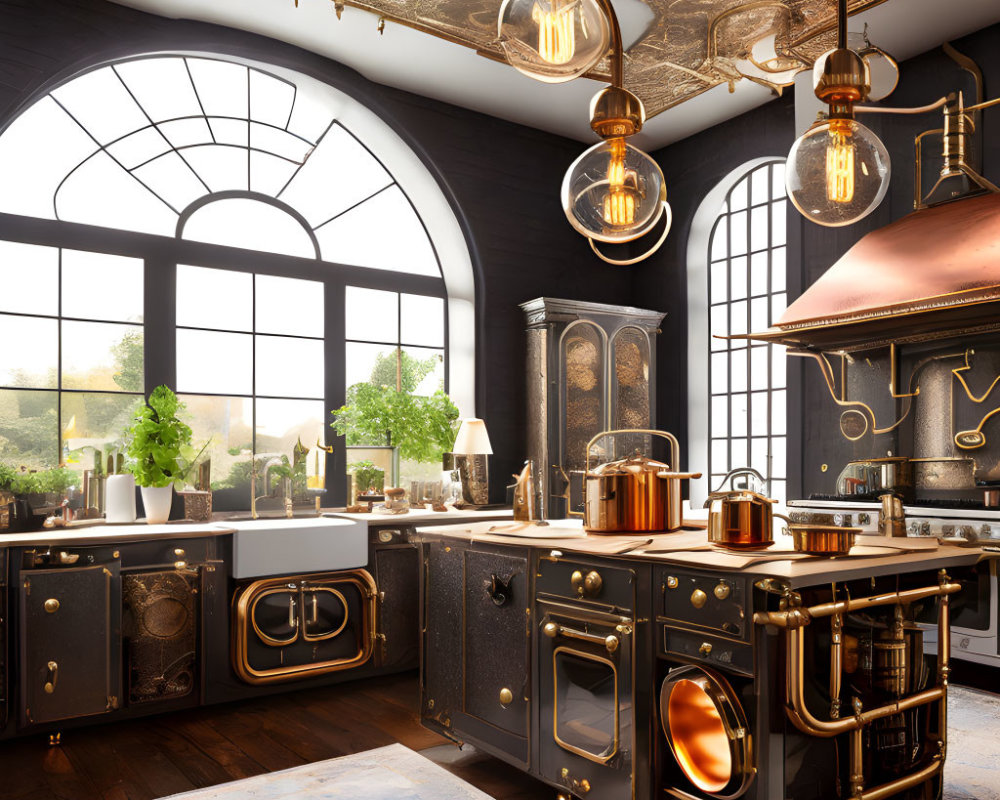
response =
{"points": [[247, 219], [71, 367], [744, 285]]}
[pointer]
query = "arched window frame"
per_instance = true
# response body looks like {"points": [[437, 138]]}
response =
{"points": [[161, 255], [713, 210]]}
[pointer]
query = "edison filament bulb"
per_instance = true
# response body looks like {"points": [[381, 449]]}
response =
{"points": [[553, 40], [613, 192], [837, 172]]}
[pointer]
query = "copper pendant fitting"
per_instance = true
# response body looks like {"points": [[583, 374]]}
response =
{"points": [[615, 111]]}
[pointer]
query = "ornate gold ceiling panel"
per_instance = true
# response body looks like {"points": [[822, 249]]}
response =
{"points": [[688, 47]]}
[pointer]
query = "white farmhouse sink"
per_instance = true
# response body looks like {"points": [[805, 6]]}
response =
{"points": [[263, 547]]}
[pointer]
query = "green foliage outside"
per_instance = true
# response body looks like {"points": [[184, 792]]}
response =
{"points": [[22, 482], [376, 413], [129, 362], [158, 443]]}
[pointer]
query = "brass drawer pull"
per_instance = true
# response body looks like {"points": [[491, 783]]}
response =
{"points": [[52, 677], [51, 605], [506, 696], [610, 642]]}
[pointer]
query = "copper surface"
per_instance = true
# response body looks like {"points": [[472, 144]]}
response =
{"points": [[930, 259], [698, 737], [822, 540], [687, 48], [740, 520]]}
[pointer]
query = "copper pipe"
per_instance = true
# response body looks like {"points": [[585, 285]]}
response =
{"points": [[902, 784], [857, 776]]}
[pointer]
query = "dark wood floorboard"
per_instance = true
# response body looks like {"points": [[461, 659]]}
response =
{"points": [[162, 755]]}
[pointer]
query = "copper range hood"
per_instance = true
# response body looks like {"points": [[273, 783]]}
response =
{"points": [[933, 274]]}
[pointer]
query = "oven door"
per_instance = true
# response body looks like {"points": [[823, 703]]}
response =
{"points": [[974, 624], [585, 689]]}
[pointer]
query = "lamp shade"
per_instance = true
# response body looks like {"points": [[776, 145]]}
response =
{"points": [[472, 438]]}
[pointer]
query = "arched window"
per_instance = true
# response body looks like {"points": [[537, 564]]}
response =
{"points": [[254, 238], [736, 284]]}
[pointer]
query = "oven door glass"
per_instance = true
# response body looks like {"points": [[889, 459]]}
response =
{"points": [[586, 704], [275, 616], [325, 611]]}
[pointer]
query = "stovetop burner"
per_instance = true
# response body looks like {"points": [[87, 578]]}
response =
{"points": [[958, 504]]}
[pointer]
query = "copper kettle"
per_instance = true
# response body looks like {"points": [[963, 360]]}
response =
{"points": [[635, 493], [740, 518]]}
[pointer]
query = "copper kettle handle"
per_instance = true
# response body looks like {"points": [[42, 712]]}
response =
{"points": [[764, 483], [675, 449]]}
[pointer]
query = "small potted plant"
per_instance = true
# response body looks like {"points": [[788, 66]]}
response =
{"points": [[159, 451]]}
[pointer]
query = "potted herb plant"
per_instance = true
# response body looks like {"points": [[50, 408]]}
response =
{"points": [[159, 451]]}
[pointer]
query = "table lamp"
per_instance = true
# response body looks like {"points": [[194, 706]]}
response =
{"points": [[472, 450]]}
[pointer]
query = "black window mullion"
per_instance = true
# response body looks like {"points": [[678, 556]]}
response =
{"points": [[159, 323], [335, 386], [59, 359]]}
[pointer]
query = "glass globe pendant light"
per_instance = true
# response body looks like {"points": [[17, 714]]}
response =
{"points": [[553, 40], [838, 171]]}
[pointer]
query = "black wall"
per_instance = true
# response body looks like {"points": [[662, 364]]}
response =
{"points": [[502, 179], [695, 165]]}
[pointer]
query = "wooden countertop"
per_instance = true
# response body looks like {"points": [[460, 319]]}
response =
{"points": [[871, 555]]}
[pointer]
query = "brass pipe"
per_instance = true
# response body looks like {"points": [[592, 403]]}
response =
{"points": [[617, 54], [791, 617], [804, 720], [857, 776], [902, 784], [836, 663]]}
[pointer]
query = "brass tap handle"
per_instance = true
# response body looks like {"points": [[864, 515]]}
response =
{"points": [[51, 678]]}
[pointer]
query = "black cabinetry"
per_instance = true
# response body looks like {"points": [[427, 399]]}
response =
{"points": [[476, 645]]}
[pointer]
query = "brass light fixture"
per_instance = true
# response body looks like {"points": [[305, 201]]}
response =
{"points": [[613, 192], [838, 171]]}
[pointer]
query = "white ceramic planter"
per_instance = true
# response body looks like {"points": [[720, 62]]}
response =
{"points": [[156, 501]]}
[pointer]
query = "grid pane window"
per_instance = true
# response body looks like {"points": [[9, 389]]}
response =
{"points": [[397, 340], [72, 368], [267, 393], [746, 291]]}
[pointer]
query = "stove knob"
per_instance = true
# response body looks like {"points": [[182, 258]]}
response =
{"points": [[985, 531], [698, 598], [913, 528], [966, 532], [925, 529], [721, 590]]}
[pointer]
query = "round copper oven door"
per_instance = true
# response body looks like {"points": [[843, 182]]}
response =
{"points": [[707, 731]]}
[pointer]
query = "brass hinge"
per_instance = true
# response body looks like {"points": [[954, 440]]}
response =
{"points": [[27, 587]]}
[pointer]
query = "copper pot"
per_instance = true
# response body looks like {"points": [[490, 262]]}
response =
{"points": [[635, 493], [822, 540], [740, 519]]}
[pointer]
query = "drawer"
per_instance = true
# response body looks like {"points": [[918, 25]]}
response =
{"points": [[589, 580], [166, 552], [712, 651], [713, 602]]}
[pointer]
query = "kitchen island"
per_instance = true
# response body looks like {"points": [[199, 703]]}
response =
{"points": [[652, 665]]}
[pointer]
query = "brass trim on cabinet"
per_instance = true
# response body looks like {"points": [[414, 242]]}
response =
{"points": [[555, 706], [366, 586]]}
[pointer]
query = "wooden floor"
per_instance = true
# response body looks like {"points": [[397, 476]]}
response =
{"points": [[186, 750]]}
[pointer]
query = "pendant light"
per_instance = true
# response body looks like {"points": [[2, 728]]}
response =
{"points": [[838, 171], [553, 40]]}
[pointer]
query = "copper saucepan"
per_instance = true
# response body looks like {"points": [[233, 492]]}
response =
{"points": [[634, 493], [822, 540]]}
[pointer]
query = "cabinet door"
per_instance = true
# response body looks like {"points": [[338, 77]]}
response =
{"points": [[441, 678], [497, 633], [398, 577], [70, 642]]}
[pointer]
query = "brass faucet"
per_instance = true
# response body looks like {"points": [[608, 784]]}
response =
{"points": [[273, 459]]}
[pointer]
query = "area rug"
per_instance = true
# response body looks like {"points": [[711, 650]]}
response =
{"points": [[388, 773], [972, 768]]}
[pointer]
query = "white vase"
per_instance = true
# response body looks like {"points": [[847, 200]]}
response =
{"points": [[119, 503], [156, 501]]}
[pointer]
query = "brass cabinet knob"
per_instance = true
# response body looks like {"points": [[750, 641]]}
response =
{"points": [[51, 605], [583, 786], [506, 696], [179, 552], [672, 581], [588, 585], [611, 643], [705, 649], [698, 598], [721, 590], [551, 630]]}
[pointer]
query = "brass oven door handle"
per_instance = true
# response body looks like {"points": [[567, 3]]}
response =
{"points": [[51, 678], [293, 621], [553, 629], [315, 609]]}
